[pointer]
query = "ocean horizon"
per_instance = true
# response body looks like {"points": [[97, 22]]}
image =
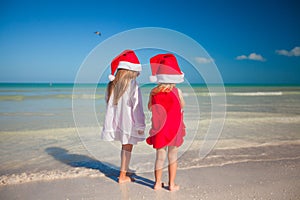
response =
{"points": [[69, 84]]}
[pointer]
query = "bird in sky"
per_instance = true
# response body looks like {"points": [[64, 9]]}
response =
{"points": [[98, 33]]}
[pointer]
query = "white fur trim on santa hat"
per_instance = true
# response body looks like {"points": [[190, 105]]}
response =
{"points": [[153, 79], [130, 66], [167, 78], [111, 77]]}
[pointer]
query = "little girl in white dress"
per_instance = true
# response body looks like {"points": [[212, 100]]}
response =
{"points": [[124, 119]]}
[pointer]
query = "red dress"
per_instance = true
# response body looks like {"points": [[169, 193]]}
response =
{"points": [[167, 120]]}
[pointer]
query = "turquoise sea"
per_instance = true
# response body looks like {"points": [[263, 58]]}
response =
{"points": [[50, 131], [34, 106]]}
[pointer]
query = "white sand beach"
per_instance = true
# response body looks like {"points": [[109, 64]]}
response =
{"points": [[249, 180]]}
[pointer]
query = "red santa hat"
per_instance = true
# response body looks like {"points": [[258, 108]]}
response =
{"points": [[165, 69], [126, 60]]}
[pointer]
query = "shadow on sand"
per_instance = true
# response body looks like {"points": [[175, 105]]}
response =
{"points": [[77, 160]]}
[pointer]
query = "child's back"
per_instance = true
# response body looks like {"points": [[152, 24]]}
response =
{"points": [[167, 126]]}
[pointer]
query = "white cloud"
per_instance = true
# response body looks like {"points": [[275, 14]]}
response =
{"points": [[252, 56], [203, 60], [242, 57], [294, 52]]}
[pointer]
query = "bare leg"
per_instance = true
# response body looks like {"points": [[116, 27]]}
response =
{"points": [[172, 167], [159, 164], [125, 159]]}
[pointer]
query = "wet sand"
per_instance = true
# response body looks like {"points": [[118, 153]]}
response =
{"points": [[249, 180]]}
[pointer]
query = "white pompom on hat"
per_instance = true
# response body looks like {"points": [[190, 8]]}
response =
{"points": [[126, 60], [165, 69]]}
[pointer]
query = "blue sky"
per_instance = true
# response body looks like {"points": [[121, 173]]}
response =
{"points": [[250, 41]]}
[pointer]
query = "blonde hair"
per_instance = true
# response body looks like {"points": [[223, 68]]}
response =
{"points": [[120, 84], [163, 87]]}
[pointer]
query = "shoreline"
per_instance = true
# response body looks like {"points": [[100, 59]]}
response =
{"points": [[248, 180], [81, 165]]}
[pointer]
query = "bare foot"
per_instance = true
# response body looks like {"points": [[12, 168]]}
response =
{"points": [[125, 179], [173, 188], [158, 186]]}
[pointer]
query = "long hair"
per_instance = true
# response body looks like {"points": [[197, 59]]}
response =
{"points": [[120, 84], [163, 87]]}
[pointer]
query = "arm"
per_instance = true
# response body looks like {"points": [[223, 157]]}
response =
{"points": [[150, 101], [182, 103]]}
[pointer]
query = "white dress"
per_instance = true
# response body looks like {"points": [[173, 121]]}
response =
{"points": [[122, 121]]}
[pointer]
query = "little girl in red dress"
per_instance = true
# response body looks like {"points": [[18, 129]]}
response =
{"points": [[166, 103]]}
